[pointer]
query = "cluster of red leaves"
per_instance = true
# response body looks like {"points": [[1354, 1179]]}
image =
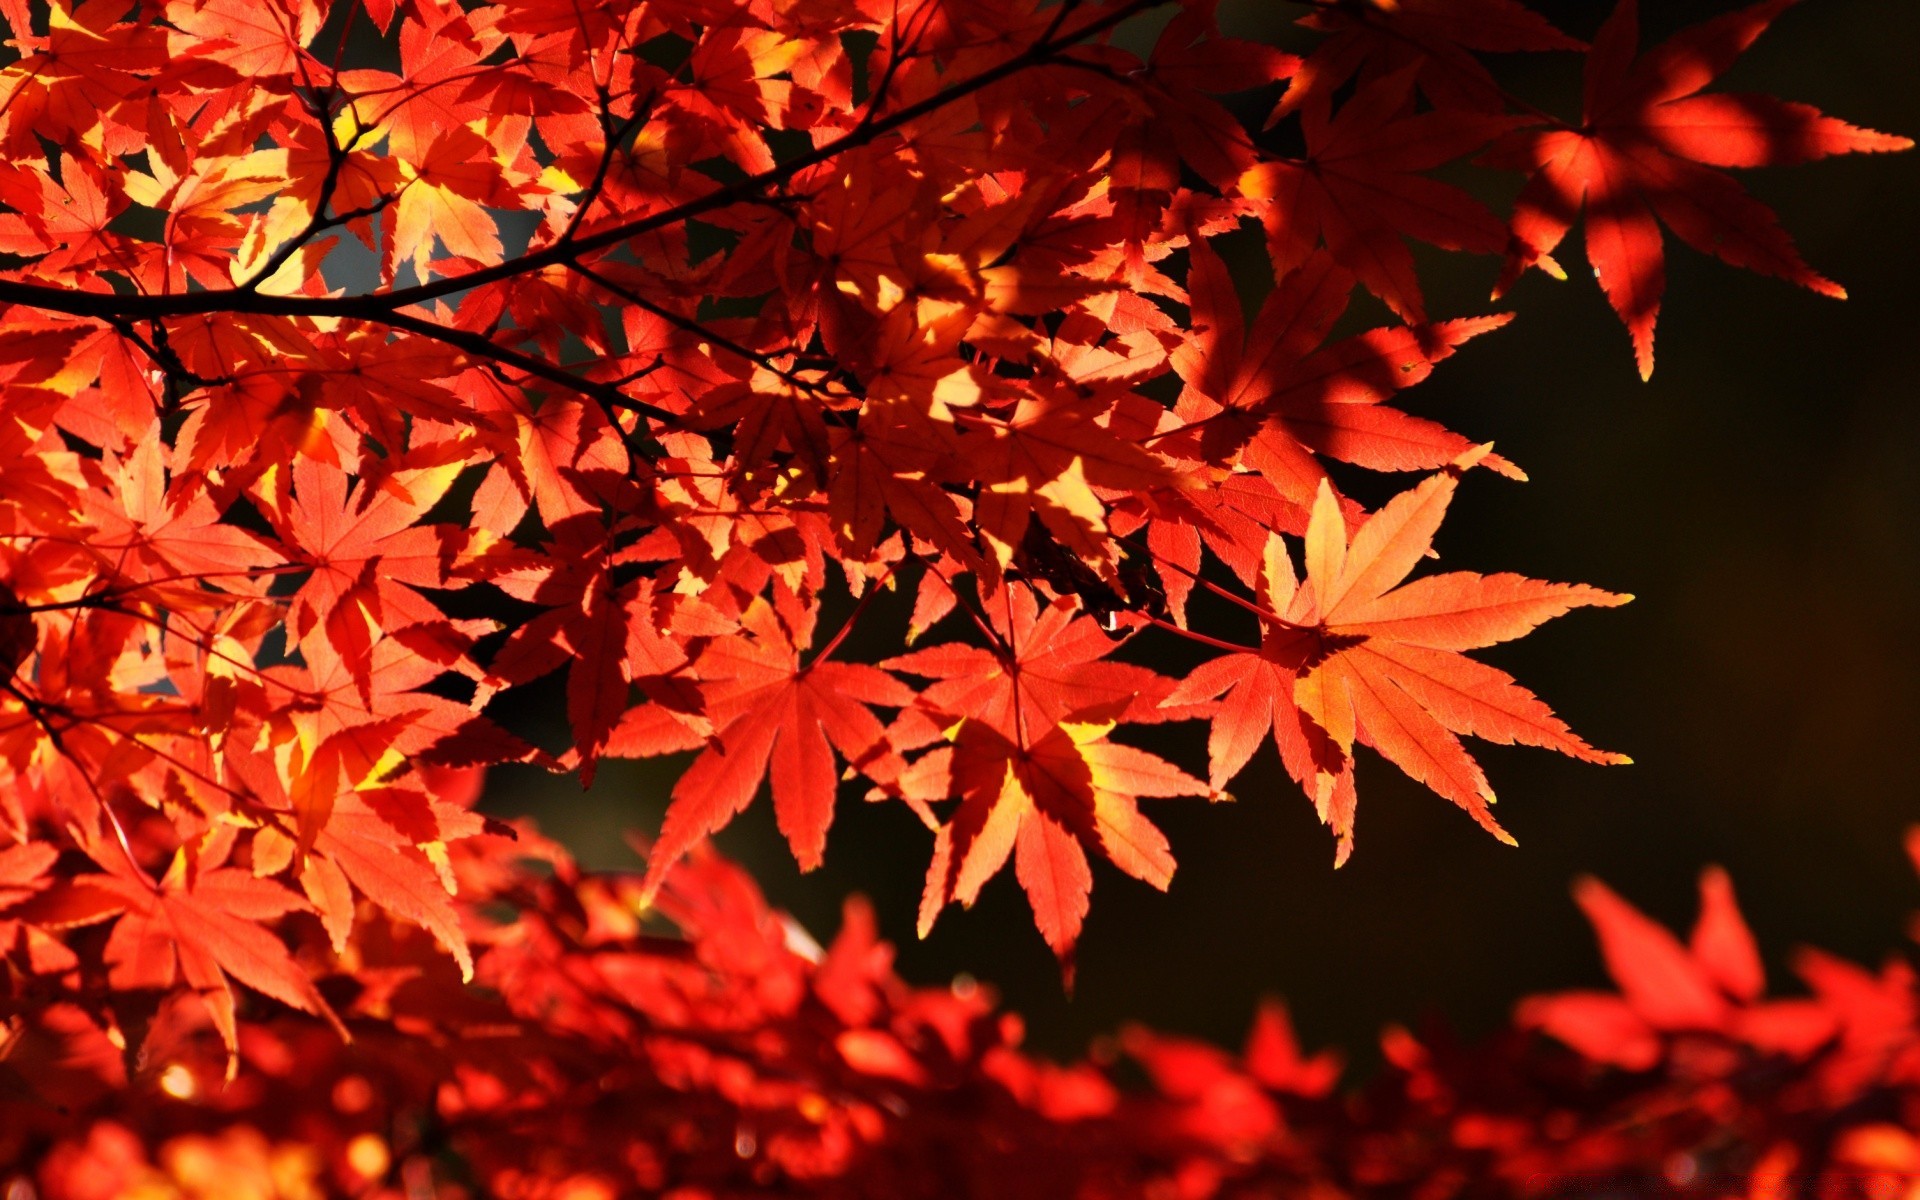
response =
{"points": [[604, 1058], [663, 307]]}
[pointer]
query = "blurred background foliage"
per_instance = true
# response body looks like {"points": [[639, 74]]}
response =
{"points": [[1761, 496]]}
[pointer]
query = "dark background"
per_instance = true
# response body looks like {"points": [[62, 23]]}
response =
{"points": [[1760, 496]]}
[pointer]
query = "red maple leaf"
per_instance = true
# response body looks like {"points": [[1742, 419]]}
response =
{"points": [[1432, 38], [202, 925], [1358, 188], [1711, 986], [1277, 397], [1643, 157], [366, 554], [1030, 765], [775, 714], [1351, 654]]}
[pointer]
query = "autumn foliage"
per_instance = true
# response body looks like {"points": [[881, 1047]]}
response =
{"points": [[363, 364]]}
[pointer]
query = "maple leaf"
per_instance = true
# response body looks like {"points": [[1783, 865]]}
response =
{"points": [[1046, 666], [775, 714], [1273, 1056], [1256, 691], [769, 411], [201, 229], [1274, 395], [1046, 459], [1357, 188], [64, 226], [889, 465], [23, 877], [82, 72], [388, 842], [1189, 64], [396, 861], [254, 39], [1232, 516], [1216, 1101], [23, 871], [591, 625], [1373, 660], [443, 194], [1643, 158], [1030, 764], [319, 169], [1040, 801], [1712, 985], [554, 459], [37, 905], [438, 52], [365, 553], [733, 81], [1431, 38], [383, 383], [203, 925], [140, 533], [344, 740]]}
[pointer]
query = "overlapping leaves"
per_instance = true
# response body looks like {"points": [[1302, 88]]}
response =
{"points": [[364, 363]]}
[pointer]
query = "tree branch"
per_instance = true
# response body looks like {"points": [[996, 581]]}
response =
{"points": [[382, 306]]}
